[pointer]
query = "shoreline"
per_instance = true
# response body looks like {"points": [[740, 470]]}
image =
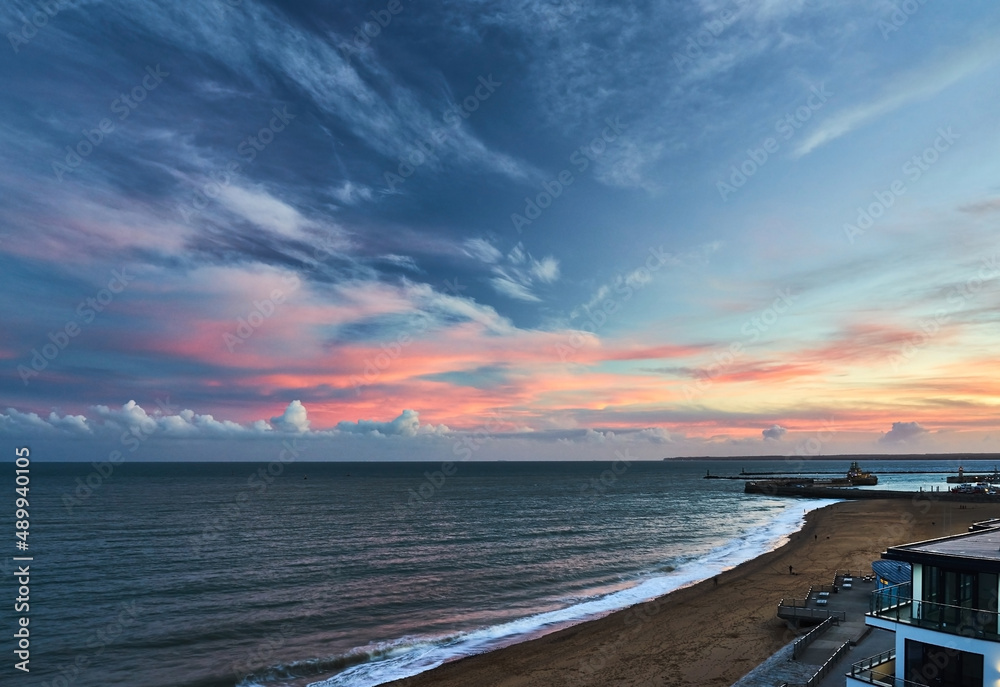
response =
{"points": [[705, 634]]}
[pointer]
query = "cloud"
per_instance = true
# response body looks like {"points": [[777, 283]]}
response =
{"points": [[594, 437], [774, 432], [350, 193], [983, 207], [915, 85], [404, 261], [518, 274], [187, 423], [132, 418], [902, 432], [129, 416], [655, 435], [641, 276], [545, 270], [294, 419], [406, 425], [505, 285], [15, 423], [482, 250], [264, 210]]}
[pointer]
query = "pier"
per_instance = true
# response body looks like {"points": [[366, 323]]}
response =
{"points": [[753, 475], [773, 488]]}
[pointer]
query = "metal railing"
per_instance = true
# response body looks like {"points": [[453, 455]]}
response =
{"points": [[862, 671], [797, 603], [897, 604], [803, 642], [890, 597], [866, 665], [858, 574], [828, 666]]}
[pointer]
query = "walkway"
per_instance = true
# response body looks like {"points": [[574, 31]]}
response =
{"points": [[781, 668]]}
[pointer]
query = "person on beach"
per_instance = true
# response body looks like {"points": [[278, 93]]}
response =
{"points": [[790, 570]]}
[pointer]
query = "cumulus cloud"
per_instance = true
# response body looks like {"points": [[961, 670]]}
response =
{"points": [[17, 423], [406, 425], [134, 419], [187, 423], [902, 432], [655, 435], [294, 419], [129, 416], [774, 432], [166, 422], [594, 437]]}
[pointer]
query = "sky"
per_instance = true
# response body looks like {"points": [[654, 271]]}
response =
{"points": [[499, 230]]}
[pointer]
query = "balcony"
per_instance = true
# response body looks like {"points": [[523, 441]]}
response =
{"points": [[897, 605], [877, 670]]}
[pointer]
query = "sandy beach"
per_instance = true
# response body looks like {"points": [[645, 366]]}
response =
{"points": [[711, 634]]}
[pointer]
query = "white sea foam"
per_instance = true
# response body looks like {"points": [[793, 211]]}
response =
{"points": [[411, 656]]}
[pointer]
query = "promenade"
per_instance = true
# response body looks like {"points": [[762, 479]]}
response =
{"points": [[833, 648]]}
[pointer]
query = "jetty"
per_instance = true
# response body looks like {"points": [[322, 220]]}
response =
{"points": [[963, 477], [779, 488]]}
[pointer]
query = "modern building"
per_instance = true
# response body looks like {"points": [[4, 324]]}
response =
{"points": [[945, 618]]}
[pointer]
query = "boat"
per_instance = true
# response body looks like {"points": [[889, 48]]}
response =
{"points": [[859, 478]]}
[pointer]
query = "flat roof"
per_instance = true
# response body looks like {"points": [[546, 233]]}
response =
{"points": [[978, 550]]}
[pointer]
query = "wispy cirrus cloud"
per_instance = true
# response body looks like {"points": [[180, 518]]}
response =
{"points": [[918, 84], [519, 273]]}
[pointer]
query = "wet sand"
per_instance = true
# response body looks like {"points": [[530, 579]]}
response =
{"points": [[711, 634]]}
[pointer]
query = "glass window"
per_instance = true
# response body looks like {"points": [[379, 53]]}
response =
{"points": [[926, 664], [932, 583]]}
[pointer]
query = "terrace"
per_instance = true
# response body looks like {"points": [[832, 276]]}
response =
{"points": [[896, 605]]}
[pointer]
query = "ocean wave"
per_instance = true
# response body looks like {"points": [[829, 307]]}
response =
{"points": [[406, 657]]}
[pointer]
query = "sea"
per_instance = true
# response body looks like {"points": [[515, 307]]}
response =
{"points": [[355, 574]]}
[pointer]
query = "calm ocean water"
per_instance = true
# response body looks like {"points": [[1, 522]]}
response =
{"points": [[352, 574]]}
